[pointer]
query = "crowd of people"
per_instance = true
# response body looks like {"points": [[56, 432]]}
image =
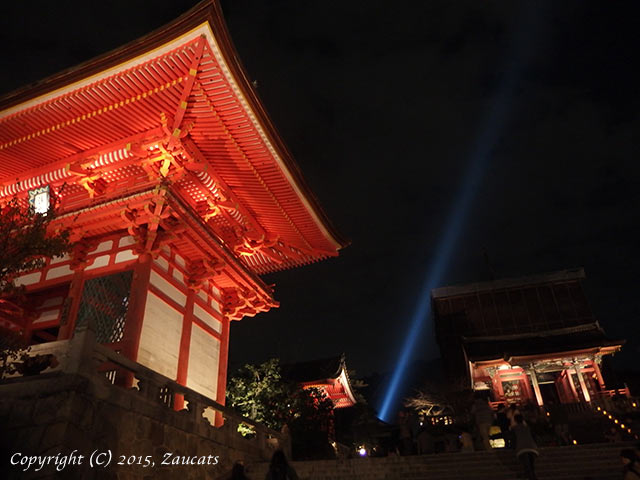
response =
{"points": [[631, 463], [518, 426], [519, 438]]}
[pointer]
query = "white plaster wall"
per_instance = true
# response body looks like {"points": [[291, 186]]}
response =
{"points": [[160, 337], [207, 318], [204, 353]]}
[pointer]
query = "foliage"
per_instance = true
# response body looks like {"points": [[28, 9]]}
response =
{"points": [[25, 243], [260, 393], [311, 410], [12, 348], [440, 398], [311, 424]]}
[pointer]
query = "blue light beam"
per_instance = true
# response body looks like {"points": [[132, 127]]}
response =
{"points": [[494, 121]]}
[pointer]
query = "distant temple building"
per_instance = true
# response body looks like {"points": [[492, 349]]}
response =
{"points": [[531, 339], [179, 194], [328, 375]]}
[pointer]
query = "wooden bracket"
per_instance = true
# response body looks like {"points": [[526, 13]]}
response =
{"points": [[238, 303]]}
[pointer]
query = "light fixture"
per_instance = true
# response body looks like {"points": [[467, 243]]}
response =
{"points": [[39, 199]]}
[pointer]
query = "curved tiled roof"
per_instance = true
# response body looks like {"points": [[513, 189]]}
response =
{"points": [[184, 78]]}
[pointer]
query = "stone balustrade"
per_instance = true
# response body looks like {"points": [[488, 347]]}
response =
{"points": [[132, 387]]}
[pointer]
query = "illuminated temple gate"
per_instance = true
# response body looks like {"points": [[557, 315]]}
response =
{"points": [[179, 194], [524, 340], [329, 375]]}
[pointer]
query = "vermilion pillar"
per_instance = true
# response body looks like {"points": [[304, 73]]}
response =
{"points": [[527, 386], [222, 367], [576, 397], [185, 343], [583, 384], [536, 387], [497, 385], [596, 369]]}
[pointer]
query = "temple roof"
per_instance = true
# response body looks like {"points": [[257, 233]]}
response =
{"points": [[506, 283], [328, 374], [543, 344], [176, 101], [532, 304]]}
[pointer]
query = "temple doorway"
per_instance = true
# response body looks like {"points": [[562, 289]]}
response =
{"points": [[549, 393]]}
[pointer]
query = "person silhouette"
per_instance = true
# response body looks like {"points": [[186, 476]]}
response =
{"points": [[238, 473], [526, 448], [279, 469]]}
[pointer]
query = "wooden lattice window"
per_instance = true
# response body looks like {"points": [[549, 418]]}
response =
{"points": [[105, 301]]}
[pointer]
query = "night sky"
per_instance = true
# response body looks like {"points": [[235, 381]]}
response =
{"points": [[386, 106]]}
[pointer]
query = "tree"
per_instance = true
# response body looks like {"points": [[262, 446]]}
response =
{"points": [[25, 242], [260, 393], [441, 398], [12, 349]]}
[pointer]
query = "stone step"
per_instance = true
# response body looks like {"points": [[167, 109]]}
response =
{"points": [[597, 462]]}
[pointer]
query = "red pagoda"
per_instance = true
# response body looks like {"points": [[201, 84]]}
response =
{"points": [[328, 375], [179, 194], [525, 340]]}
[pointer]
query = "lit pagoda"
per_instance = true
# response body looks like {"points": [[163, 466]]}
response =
{"points": [[178, 191], [329, 375]]}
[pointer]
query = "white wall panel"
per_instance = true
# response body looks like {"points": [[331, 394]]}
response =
{"points": [[125, 256], [58, 272], [101, 261], [208, 319], [169, 290], [28, 279], [204, 353], [162, 263], [160, 338]]}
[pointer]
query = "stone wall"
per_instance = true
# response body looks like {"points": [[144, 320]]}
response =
{"points": [[57, 413]]}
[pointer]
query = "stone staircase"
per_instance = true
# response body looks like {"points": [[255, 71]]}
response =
{"points": [[581, 462]]}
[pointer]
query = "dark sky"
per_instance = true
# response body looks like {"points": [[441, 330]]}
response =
{"points": [[385, 105]]}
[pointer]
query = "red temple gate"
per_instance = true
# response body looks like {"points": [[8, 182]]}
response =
{"points": [[178, 192]]}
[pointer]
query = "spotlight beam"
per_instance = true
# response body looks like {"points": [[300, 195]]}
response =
{"points": [[493, 124]]}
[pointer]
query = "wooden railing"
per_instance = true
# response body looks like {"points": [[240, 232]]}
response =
{"points": [[612, 393]]}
